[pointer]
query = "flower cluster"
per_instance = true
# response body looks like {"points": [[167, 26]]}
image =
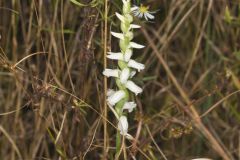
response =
{"points": [[118, 100], [143, 11]]}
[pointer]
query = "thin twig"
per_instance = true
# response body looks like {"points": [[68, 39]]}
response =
{"points": [[105, 109]]}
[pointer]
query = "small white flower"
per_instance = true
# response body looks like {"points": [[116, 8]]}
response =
{"points": [[115, 56], [129, 106], [133, 87], [116, 97], [134, 8], [120, 17], [134, 26], [111, 72], [118, 35], [132, 74], [136, 45], [128, 55], [123, 125], [120, 56], [142, 11], [136, 65], [124, 75]]}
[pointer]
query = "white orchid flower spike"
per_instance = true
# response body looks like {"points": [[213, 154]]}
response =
{"points": [[119, 99]]}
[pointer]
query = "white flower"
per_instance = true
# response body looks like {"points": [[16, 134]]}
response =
{"points": [[136, 65], [120, 56], [136, 45], [142, 11], [129, 35], [128, 55], [111, 72], [127, 18], [116, 97], [115, 56], [129, 106], [123, 125], [133, 87], [124, 75], [118, 35], [132, 74], [111, 92], [134, 26], [120, 17]]}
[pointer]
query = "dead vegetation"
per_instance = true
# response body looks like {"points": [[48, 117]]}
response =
{"points": [[52, 87]]}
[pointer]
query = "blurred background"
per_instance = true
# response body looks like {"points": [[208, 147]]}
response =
{"points": [[52, 90]]}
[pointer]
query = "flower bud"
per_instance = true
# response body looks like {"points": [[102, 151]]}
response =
{"points": [[123, 125]]}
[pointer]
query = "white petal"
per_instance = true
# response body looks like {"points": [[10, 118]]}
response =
{"points": [[128, 55], [116, 97], [136, 65], [150, 16], [133, 87], [123, 125], [136, 13], [135, 45], [134, 26], [134, 8], [111, 72], [120, 17], [124, 75], [129, 106], [110, 92], [132, 74], [115, 56], [145, 16], [118, 35]]}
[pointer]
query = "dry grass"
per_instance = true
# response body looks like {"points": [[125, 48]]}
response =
{"points": [[52, 90]]}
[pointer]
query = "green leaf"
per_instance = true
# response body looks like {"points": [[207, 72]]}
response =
{"points": [[61, 152], [228, 17], [50, 134], [78, 3]]}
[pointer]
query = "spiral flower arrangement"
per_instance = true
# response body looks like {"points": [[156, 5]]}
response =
{"points": [[119, 100]]}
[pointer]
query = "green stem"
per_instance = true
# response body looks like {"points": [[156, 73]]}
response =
{"points": [[118, 144], [118, 109], [123, 44]]}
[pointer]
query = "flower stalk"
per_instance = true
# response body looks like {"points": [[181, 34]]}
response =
{"points": [[118, 100]]}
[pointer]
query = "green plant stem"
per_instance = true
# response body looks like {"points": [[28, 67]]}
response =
{"points": [[118, 144], [118, 135], [118, 109], [123, 44]]}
